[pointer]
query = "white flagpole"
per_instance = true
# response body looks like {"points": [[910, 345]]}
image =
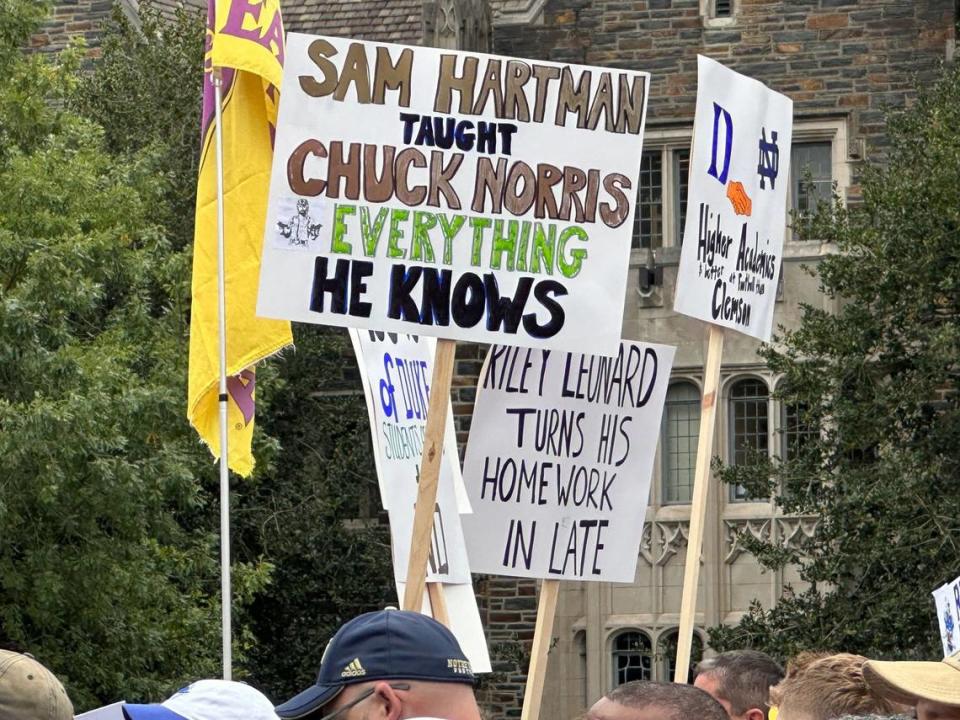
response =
{"points": [[226, 596]]}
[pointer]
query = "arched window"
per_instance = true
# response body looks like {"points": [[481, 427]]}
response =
{"points": [[749, 426], [632, 657], [667, 655], [681, 428]]}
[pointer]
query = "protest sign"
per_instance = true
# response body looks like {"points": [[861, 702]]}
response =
{"points": [[459, 195], [731, 258], [108, 712], [947, 600], [736, 203], [395, 371], [463, 618], [559, 460]]}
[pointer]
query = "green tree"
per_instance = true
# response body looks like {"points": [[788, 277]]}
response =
{"points": [[878, 378], [311, 510], [314, 512], [108, 569]]}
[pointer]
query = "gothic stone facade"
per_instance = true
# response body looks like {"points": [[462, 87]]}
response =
{"points": [[842, 62]]}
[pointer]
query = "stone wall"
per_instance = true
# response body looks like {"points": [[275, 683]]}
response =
{"points": [[833, 57]]}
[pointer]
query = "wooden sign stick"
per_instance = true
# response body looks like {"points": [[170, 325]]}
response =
{"points": [[438, 603], [698, 507], [429, 474], [542, 637]]}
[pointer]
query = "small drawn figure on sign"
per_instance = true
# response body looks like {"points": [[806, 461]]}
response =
{"points": [[301, 228], [768, 166]]}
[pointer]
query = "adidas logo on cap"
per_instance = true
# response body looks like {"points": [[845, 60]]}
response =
{"points": [[354, 669]]}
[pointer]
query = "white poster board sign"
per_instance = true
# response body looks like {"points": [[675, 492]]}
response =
{"points": [[107, 712], [947, 600], [465, 623], [736, 203], [396, 372], [559, 461], [452, 194]]}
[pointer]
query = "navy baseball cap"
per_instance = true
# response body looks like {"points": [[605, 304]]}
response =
{"points": [[384, 645]]}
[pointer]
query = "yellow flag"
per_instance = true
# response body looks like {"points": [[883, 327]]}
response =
{"points": [[245, 40]]}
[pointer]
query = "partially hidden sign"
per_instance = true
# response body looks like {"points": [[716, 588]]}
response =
{"points": [[396, 372], [452, 194], [559, 460], [947, 600], [736, 204]]}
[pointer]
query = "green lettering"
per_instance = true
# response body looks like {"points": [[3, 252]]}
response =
{"points": [[521, 253], [478, 225], [572, 268], [420, 246], [337, 243], [450, 229], [503, 244], [371, 233], [396, 217], [543, 246]]}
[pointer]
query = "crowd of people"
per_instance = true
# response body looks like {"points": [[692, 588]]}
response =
{"points": [[395, 665]]}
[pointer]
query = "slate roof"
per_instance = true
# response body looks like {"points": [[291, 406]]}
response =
{"points": [[399, 21], [168, 8]]}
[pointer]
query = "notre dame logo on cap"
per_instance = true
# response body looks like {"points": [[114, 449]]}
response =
{"points": [[460, 667]]}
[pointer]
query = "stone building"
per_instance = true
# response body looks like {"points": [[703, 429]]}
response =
{"points": [[842, 62]]}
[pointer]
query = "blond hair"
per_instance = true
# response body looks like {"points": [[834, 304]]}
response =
{"points": [[826, 687]]}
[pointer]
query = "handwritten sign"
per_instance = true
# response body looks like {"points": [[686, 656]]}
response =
{"points": [[108, 712], [452, 194], [559, 460], [947, 600], [396, 372], [736, 205]]}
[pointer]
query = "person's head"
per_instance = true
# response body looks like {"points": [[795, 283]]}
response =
{"points": [[932, 687], [740, 680], [826, 687], [207, 700], [302, 206], [645, 700], [388, 665], [28, 691]]}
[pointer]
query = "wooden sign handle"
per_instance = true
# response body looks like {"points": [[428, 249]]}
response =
{"points": [[438, 603], [698, 506], [542, 637], [429, 474]]}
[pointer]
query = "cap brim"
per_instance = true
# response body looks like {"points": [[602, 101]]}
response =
{"points": [[149, 712], [906, 682], [313, 698]]}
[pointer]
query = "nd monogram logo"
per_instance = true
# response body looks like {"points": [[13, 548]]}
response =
{"points": [[768, 166]]}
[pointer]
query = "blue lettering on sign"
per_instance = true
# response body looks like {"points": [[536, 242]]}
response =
{"points": [[768, 166], [728, 144], [387, 389]]}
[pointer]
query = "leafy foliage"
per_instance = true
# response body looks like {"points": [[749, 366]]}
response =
{"points": [[108, 571], [878, 376], [314, 512]]}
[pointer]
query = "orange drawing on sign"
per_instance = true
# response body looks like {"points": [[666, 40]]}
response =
{"points": [[739, 198]]}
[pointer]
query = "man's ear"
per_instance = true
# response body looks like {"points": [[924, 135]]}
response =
{"points": [[388, 702], [755, 714]]}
